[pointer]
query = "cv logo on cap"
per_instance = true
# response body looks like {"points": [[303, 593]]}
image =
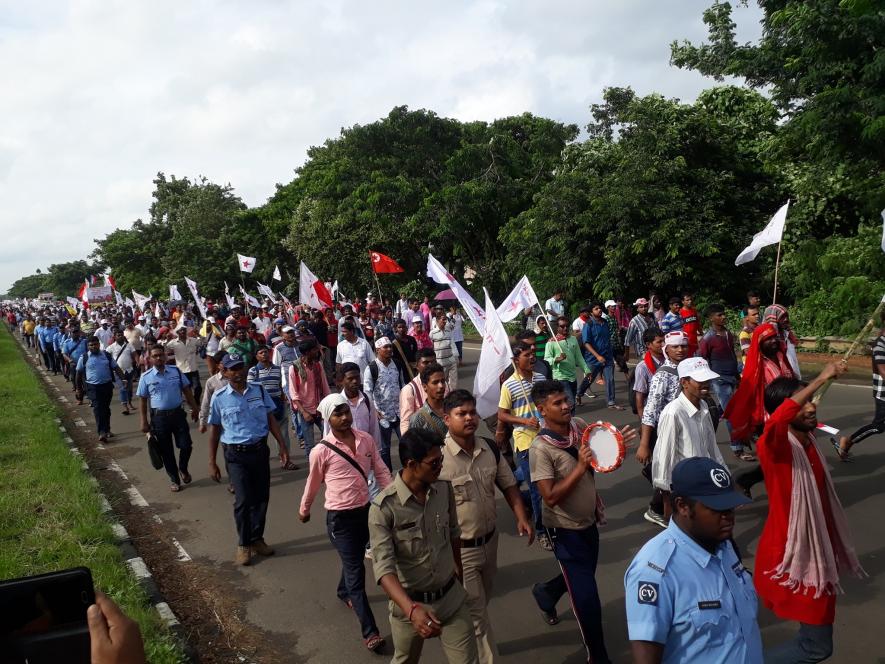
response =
{"points": [[648, 593], [720, 477]]}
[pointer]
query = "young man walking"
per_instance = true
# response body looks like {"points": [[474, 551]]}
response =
{"points": [[431, 415], [98, 369]]}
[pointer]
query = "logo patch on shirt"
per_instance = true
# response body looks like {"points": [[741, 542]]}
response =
{"points": [[647, 593], [738, 568], [711, 604]]}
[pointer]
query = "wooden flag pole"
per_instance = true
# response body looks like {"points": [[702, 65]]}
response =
{"points": [[777, 264], [871, 323]]}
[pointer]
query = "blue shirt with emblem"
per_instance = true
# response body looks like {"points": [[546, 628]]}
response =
{"points": [[74, 349], [163, 389], [701, 606], [99, 367], [242, 417]]}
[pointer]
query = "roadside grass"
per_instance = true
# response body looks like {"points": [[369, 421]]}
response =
{"points": [[50, 513]]}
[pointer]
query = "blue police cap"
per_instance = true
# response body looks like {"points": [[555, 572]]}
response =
{"points": [[708, 482], [232, 360]]}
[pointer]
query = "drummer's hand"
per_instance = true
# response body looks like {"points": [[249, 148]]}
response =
{"points": [[629, 434], [585, 456], [643, 454]]}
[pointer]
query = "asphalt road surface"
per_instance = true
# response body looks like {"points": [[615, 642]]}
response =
{"points": [[293, 593]]}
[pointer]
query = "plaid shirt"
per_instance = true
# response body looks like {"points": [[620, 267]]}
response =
{"points": [[878, 358], [614, 333]]}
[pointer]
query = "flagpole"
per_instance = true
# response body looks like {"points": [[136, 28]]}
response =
{"points": [[777, 264], [378, 284]]}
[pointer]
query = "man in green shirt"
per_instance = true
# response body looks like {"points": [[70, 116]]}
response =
{"points": [[564, 356]]}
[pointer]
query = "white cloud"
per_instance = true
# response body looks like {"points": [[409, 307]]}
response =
{"points": [[99, 95]]}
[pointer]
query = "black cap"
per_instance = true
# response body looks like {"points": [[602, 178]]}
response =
{"points": [[708, 482]]}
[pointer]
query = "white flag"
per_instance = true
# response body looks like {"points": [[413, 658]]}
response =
{"points": [[118, 296], [140, 300], [173, 293], [230, 300], [158, 314], [883, 230], [249, 299], [74, 302], [129, 303], [494, 359], [440, 275], [192, 287], [247, 263], [312, 291], [267, 292], [276, 273], [771, 234], [521, 297]]}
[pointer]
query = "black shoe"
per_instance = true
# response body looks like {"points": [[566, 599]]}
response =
{"points": [[550, 617]]}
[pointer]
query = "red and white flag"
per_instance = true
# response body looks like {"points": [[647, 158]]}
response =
{"points": [[247, 263], [110, 281], [312, 291], [382, 264], [83, 295], [521, 297], [493, 361]]}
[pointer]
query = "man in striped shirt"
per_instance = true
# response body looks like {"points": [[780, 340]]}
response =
{"points": [[636, 329], [444, 347], [342, 461], [270, 377]]}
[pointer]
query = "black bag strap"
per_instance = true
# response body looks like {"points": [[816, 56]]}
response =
{"points": [[346, 458]]}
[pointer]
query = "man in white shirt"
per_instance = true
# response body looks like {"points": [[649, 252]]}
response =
{"points": [[186, 351], [105, 334], [685, 428], [402, 306], [555, 307], [124, 355], [352, 348]]}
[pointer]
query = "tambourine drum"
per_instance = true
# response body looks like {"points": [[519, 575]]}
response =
{"points": [[607, 445]]}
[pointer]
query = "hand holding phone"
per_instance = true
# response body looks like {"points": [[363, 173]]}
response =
{"points": [[115, 638]]}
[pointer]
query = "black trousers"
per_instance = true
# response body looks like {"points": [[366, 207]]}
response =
{"points": [[349, 533], [167, 425], [194, 378], [656, 504], [100, 396], [874, 427], [249, 472]]}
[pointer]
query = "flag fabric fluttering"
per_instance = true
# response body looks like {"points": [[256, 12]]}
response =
{"points": [[521, 297], [192, 287], [494, 358], [440, 275], [110, 281], [771, 234], [174, 295], [312, 291], [265, 290], [250, 300], [382, 264], [118, 297], [276, 273], [227, 296], [140, 299], [247, 263]]}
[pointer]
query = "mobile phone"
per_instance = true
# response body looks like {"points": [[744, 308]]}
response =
{"points": [[43, 617]]}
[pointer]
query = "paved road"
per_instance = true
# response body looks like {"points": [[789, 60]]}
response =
{"points": [[293, 593]]}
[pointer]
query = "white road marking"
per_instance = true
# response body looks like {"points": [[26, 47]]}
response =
{"points": [[166, 614], [79, 422], [136, 498], [63, 399], [105, 505], [183, 556], [119, 531], [114, 466], [139, 569]]}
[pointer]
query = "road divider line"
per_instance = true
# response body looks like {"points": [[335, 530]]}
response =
{"points": [[166, 614], [183, 556], [139, 568], [136, 498]]}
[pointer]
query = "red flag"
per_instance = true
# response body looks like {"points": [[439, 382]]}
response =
{"points": [[109, 281], [382, 264]]}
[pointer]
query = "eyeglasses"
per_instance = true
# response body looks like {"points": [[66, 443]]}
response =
{"points": [[436, 464]]}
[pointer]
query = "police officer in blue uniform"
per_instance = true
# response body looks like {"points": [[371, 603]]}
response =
{"points": [[689, 598], [97, 368], [240, 417], [162, 387]]}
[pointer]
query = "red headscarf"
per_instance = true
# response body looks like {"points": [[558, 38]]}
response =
{"points": [[746, 409]]}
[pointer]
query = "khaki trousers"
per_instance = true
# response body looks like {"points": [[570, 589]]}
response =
{"points": [[480, 564], [457, 637]]}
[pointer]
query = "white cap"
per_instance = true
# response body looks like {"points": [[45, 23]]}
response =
{"points": [[610, 303], [676, 338], [288, 328], [105, 321], [381, 342], [697, 369]]}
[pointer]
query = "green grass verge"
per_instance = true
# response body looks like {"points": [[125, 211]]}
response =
{"points": [[50, 513]]}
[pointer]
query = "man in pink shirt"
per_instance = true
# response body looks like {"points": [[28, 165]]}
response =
{"points": [[412, 396], [343, 460], [307, 387]]}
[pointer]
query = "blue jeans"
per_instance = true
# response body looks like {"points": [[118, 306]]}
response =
{"points": [[577, 552], [723, 390], [349, 533], [386, 439], [308, 431], [607, 370], [813, 643], [126, 387], [522, 462]]}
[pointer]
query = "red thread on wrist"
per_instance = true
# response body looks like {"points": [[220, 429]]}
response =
{"points": [[412, 610]]}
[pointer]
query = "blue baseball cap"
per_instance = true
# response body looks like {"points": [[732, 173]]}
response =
{"points": [[232, 360], [708, 482]]}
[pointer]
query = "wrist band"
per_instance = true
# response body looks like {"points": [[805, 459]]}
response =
{"points": [[412, 610]]}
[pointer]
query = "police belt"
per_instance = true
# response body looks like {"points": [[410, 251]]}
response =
{"points": [[479, 541], [430, 596], [158, 411]]}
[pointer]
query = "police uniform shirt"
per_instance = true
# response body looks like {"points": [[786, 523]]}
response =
{"points": [[473, 477], [242, 417], [99, 367], [164, 389], [413, 540], [701, 606]]}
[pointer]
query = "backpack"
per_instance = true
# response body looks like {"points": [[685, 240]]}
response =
{"points": [[374, 371]]}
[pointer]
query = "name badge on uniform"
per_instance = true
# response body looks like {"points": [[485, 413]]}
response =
{"points": [[406, 526], [647, 593], [711, 604]]}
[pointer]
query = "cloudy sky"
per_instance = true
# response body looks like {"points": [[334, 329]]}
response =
{"points": [[99, 95]]}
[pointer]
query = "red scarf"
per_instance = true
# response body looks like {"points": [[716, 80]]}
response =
{"points": [[649, 360], [746, 410]]}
